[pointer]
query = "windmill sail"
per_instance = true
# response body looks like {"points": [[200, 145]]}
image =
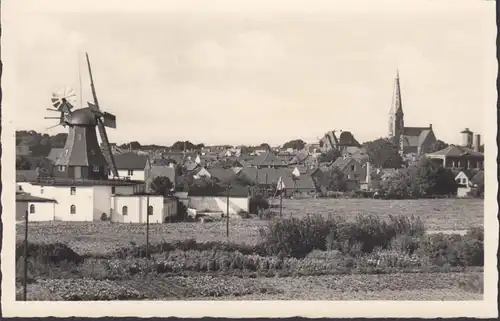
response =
{"points": [[108, 155]]}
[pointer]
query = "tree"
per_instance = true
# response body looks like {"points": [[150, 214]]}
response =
{"points": [[265, 146], [384, 154], [334, 180], [180, 146], [437, 146], [296, 144], [135, 145], [22, 163], [206, 187], [162, 185]]}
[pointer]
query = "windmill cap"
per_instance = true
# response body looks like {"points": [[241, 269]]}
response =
{"points": [[83, 117]]}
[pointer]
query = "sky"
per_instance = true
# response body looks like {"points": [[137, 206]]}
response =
{"points": [[248, 72]]}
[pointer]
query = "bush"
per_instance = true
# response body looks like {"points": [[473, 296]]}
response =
{"points": [[48, 253], [297, 237], [455, 250], [258, 203], [104, 217]]}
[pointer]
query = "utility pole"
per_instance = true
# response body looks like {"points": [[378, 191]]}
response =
{"points": [[281, 203], [147, 226], [25, 289], [227, 211], [266, 186]]}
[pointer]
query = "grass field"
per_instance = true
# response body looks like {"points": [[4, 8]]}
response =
{"points": [[437, 214], [311, 278]]}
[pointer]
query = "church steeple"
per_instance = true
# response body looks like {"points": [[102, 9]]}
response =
{"points": [[396, 118]]}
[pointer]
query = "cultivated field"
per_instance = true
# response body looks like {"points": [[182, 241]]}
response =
{"points": [[216, 272], [438, 215]]}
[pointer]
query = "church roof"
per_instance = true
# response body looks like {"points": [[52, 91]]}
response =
{"points": [[456, 151]]}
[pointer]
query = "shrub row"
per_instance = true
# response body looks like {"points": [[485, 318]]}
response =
{"points": [[296, 237]]}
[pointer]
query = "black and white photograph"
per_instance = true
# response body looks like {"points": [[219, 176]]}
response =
{"points": [[249, 158]]}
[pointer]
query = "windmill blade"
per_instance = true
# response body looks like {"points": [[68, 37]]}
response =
{"points": [[53, 126], [109, 120], [52, 117], [107, 152]]}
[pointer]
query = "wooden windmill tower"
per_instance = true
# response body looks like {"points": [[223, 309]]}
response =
{"points": [[82, 157]]}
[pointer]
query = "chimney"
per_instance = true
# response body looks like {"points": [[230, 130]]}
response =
{"points": [[368, 174], [430, 126], [477, 142]]}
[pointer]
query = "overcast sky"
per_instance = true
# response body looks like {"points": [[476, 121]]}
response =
{"points": [[251, 72]]}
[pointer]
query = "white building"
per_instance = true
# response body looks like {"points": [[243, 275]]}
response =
{"points": [[131, 165], [37, 208], [87, 201]]}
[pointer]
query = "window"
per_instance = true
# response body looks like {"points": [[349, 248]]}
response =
{"points": [[79, 136], [458, 180], [150, 210], [130, 172], [113, 189], [352, 167], [72, 209], [124, 210], [72, 190], [41, 189], [464, 180], [96, 168], [32, 209]]}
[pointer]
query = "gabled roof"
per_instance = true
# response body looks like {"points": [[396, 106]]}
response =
{"points": [[25, 197], [346, 138], [130, 160], [342, 163], [415, 136], [304, 181], [224, 175], [267, 159], [456, 151], [54, 154]]}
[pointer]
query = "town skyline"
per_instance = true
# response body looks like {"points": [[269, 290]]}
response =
{"points": [[218, 80]]}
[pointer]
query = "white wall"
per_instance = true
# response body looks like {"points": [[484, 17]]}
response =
{"points": [[136, 209], [236, 204], [102, 202], [44, 211], [138, 174]]}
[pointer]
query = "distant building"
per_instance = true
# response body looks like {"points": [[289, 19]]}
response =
{"points": [[464, 157], [344, 141], [415, 140]]}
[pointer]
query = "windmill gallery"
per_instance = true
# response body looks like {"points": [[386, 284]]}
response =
{"points": [[85, 185]]}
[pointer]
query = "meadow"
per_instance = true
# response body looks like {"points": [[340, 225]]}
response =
{"points": [[366, 250]]}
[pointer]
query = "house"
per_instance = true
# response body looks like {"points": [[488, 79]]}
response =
{"points": [[37, 208], [54, 154], [269, 160], [268, 178], [223, 175], [131, 165], [458, 157], [354, 172], [200, 172], [93, 200], [330, 141], [468, 179]]}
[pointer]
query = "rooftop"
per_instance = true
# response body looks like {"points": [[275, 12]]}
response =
{"points": [[53, 181], [25, 197]]}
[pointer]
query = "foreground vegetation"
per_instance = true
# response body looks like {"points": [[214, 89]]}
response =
{"points": [[317, 247]]}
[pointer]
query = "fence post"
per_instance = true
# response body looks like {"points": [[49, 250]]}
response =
{"points": [[147, 226], [25, 289], [227, 211]]}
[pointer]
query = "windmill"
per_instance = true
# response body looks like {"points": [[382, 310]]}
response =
{"points": [[82, 157]]}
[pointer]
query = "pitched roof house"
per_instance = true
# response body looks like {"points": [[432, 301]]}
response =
{"points": [[457, 156], [131, 165], [267, 159]]}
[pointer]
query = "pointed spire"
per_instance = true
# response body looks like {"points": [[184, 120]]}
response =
{"points": [[397, 104]]}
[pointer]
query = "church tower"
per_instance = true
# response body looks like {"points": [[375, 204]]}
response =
{"points": [[396, 116]]}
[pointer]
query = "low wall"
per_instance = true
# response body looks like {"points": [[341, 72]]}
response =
{"points": [[219, 204]]}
